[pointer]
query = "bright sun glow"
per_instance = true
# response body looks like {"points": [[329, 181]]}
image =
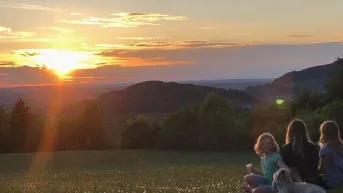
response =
{"points": [[62, 62]]}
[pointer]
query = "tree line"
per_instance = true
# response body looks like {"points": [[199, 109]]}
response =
{"points": [[21, 130], [214, 125]]}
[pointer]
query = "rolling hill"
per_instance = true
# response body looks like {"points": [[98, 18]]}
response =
{"points": [[156, 97], [289, 84]]}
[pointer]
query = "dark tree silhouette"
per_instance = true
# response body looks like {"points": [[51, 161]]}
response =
{"points": [[334, 111], [307, 100], [180, 130], [4, 131], [84, 130], [66, 134], [139, 133], [335, 84], [91, 128], [19, 126]]}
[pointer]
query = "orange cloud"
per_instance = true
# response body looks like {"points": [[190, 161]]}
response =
{"points": [[19, 75], [136, 54], [125, 20], [116, 54], [4, 85], [155, 61], [169, 64], [6, 64], [76, 14], [5, 29], [301, 36], [27, 7], [60, 61], [63, 30], [140, 38], [8, 33], [169, 45], [93, 79]]}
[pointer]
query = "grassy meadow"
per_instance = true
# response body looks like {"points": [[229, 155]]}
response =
{"points": [[123, 171]]}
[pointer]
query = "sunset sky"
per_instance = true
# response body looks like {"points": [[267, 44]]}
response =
{"points": [[110, 41]]}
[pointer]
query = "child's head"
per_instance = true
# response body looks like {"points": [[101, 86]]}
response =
{"points": [[297, 130], [329, 132], [297, 135], [266, 144]]}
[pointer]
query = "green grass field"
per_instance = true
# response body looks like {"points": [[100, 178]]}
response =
{"points": [[123, 171]]}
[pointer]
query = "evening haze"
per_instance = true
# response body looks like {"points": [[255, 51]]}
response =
{"points": [[110, 41]]}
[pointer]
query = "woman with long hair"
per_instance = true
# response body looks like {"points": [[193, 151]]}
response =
{"points": [[300, 154], [331, 154]]}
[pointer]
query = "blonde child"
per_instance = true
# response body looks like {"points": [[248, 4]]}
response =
{"points": [[331, 154], [268, 150]]}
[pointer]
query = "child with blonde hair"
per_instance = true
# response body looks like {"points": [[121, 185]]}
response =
{"points": [[267, 149]]}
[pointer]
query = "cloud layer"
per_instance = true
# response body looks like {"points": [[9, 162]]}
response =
{"points": [[300, 36], [124, 19], [5, 29], [8, 34], [27, 7], [135, 41], [253, 61]]}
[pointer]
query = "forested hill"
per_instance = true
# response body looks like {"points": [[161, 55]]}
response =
{"points": [[291, 83], [154, 97]]}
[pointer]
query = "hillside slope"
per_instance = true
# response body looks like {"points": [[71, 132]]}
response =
{"points": [[289, 84], [156, 97]]}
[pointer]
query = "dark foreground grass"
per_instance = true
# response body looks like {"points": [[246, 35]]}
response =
{"points": [[123, 171]]}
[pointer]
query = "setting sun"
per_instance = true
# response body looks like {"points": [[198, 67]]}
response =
{"points": [[62, 62]]}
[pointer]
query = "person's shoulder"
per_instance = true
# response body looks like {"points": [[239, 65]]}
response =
{"points": [[312, 146], [285, 149], [324, 150], [275, 156], [287, 145]]}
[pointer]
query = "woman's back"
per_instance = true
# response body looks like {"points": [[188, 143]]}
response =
{"points": [[333, 174], [306, 163], [331, 154]]}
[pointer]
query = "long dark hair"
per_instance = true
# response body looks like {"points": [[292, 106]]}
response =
{"points": [[330, 135], [297, 135]]}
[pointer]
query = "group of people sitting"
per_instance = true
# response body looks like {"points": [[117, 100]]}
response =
{"points": [[320, 164]]}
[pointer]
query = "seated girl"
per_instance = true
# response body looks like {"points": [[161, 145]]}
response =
{"points": [[268, 150], [331, 154], [300, 154]]}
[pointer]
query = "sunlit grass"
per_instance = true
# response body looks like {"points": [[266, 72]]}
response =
{"points": [[125, 171]]}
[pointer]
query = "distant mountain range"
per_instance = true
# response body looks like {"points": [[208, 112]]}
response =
{"points": [[238, 84], [289, 84], [41, 97]]}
